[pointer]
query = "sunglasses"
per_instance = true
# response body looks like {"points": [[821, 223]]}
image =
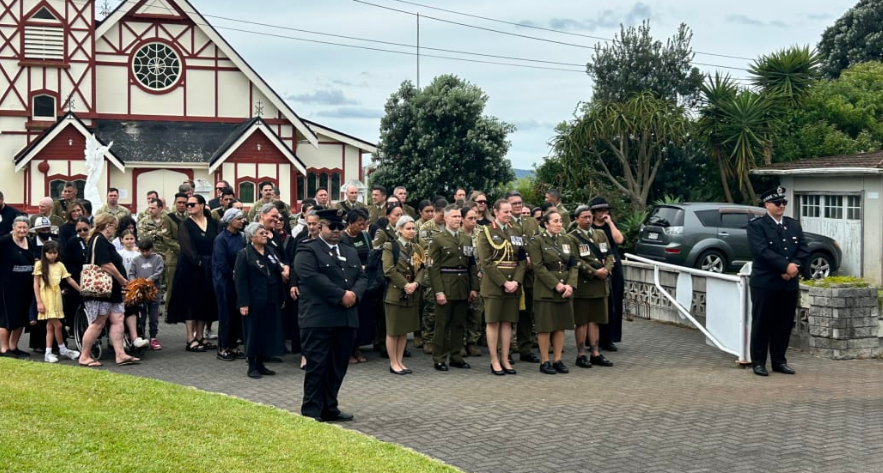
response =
{"points": [[480, 201], [336, 226], [191, 204], [83, 230], [780, 203], [219, 188]]}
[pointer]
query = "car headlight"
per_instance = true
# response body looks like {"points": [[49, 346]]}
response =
{"points": [[673, 230]]}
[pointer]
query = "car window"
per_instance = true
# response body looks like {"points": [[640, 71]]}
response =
{"points": [[665, 216], [709, 218], [734, 220]]}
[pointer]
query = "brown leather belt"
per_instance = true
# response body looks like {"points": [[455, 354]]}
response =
{"points": [[507, 264]]}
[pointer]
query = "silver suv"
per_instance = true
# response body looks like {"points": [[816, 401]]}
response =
{"points": [[712, 236]]}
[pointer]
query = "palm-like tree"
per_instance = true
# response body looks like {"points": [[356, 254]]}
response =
{"points": [[786, 74], [716, 91]]}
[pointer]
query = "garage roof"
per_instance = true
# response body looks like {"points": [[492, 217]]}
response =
{"points": [[863, 163]]}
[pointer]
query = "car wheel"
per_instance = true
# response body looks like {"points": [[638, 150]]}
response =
{"points": [[818, 267], [712, 260]]}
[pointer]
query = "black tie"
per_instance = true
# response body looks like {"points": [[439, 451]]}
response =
{"points": [[334, 251]]}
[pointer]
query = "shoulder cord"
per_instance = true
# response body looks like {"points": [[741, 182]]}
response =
{"points": [[505, 246]]}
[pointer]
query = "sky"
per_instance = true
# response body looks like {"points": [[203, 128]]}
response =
{"points": [[346, 88]]}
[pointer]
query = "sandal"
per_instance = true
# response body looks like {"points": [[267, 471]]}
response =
{"points": [[195, 348], [207, 345], [129, 361], [90, 364]]}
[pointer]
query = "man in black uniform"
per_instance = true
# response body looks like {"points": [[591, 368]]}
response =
{"points": [[778, 251], [611, 331], [331, 283]]}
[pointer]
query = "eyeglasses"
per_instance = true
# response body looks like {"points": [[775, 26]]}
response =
{"points": [[191, 204], [480, 201], [780, 203], [471, 218], [335, 226], [219, 188]]}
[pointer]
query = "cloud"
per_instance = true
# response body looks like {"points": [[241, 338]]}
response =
{"points": [[527, 125], [816, 16], [746, 20], [344, 83], [322, 97], [351, 112], [605, 19]]}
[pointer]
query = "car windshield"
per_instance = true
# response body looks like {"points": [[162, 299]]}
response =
{"points": [[665, 216]]}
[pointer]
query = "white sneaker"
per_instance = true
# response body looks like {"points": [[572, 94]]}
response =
{"points": [[49, 357], [210, 334], [140, 343], [69, 354]]}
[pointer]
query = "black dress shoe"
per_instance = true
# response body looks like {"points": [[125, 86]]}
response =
{"points": [[559, 367], [530, 358], [266, 372], [440, 367], [600, 361], [408, 371], [400, 373], [339, 417], [760, 370], [272, 359], [497, 373], [460, 364], [547, 368], [254, 373], [384, 355], [407, 354], [21, 354], [784, 369], [609, 346], [510, 370], [583, 362]]}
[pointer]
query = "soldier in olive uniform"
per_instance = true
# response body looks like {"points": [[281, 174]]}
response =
{"points": [[593, 288], [455, 282], [425, 234], [351, 202], [554, 197], [402, 194], [404, 266], [393, 214], [555, 277], [528, 228], [778, 251], [475, 317], [164, 232], [377, 208], [500, 252]]}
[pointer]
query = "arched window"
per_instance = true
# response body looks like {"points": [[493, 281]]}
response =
{"points": [[246, 192], [43, 107]]}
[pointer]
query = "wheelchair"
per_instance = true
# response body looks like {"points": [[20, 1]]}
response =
{"points": [[103, 343]]}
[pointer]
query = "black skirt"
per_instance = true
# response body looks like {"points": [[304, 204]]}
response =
{"points": [[263, 333], [194, 295]]}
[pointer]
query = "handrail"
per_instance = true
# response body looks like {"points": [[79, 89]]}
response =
{"points": [[684, 312]]}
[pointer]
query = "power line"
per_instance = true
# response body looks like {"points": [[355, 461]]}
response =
{"points": [[541, 28]]}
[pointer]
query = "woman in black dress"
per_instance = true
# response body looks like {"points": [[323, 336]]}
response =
{"points": [[259, 295], [73, 255], [16, 286], [68, 230], [355, 235], [193, 301]]}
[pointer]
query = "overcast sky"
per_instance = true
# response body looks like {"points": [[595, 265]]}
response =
{"points": [[346, 88]]}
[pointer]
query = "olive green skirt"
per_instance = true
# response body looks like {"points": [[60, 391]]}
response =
{"points": [[401, 320], [590, 310], [501, 310], [552, 316]]}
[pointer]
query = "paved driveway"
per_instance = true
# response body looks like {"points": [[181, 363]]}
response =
{"points": [[670, 404]]}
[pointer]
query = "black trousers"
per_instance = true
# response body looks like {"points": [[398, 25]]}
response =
{"points": [[612, 331], [524, 331], [772, 316], [328, 352]]}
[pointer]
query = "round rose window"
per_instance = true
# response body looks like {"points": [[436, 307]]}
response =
{"points": [[156, 66]]}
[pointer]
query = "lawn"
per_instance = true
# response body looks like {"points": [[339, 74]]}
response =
{"points": [[66, 419]]}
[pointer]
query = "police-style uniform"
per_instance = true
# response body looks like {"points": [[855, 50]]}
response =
{"points": [[502, 258], [452, 273], [774, 245], [554, 262]]}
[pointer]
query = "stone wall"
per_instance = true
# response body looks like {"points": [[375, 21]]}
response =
{"points": [[843, 322]]}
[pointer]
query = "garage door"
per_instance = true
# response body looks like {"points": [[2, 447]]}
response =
{"points": [[164, 181], [839, 217]]}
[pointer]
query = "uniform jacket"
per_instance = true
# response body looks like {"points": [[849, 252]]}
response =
{"points": [[323, 279], [453, 269], [427, 231], [409, 268], [409, 211], [772, 249], [164, 235], [382, 236], [528, 227], [554, 261], [346, 206], [375, 212], [253, 277], [498, 253], [592, 254], [118, 212]]}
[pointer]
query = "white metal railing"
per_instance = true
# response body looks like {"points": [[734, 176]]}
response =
{"points": [[728, 307]]}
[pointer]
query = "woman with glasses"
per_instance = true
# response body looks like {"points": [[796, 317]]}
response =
{"points": [[73, 255], [193, 301], [67, 231], [481, 207]]}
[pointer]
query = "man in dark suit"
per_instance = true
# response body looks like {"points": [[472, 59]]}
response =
{"points": [[778, 251], [331, 283]]}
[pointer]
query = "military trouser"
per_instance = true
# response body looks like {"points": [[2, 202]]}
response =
{"points": [[524, 332], [429, 308], [475, 321], [169, 274], [450, 324]]}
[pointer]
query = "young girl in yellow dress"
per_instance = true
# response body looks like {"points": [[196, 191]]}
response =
{"points": [[48, 274]]}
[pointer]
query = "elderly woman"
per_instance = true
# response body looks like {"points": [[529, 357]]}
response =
{"points": [[403, 265], [193, 301], [553, 257], [16, 266], [68, 230], [100, 310], [260, 295], [227, 245]]}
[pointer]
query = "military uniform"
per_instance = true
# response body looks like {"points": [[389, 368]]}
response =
{"points": [[525, 334], [502, 257], [591, 293], [554, 262], [774, 245], [409, 211], [59, 207], [452, 273], [425, 234], [402, 310], [119, 212], [375, 212], [383, 236], [165, 243], [565, 216], [346, 205], [475, 317]]}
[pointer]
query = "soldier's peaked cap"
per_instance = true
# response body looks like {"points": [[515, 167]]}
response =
{"points": [[332, 215], [773, 195]]}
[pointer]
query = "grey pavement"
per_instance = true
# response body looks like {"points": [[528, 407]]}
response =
{"points": [[671, 404]]}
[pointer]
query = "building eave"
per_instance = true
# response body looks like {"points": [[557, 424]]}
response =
{"points": [[834, 171]]}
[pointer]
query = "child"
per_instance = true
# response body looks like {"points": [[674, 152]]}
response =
{"points": [[149, 266], [128, 251], [48, 274]]}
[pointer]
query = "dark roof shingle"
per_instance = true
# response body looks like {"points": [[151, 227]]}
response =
{"points": [[863, 160]]}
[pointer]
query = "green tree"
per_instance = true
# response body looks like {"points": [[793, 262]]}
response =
{"points": [[436, 139], [855, 37], [638, 133], [634, 63]]}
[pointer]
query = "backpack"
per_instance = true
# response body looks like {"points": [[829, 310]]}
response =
{"points": [[374, 266]]}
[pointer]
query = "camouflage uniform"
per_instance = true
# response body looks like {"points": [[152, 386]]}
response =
{"points": [[165, 243], [118, 212]]}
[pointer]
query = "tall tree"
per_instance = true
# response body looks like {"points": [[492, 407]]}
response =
{"points": [[717, 91], [855, 37], [436, 139], [634, 63], [637, 132]]}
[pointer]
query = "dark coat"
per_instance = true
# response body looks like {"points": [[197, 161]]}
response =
{"points": [[772, 249], [323, 282], [259, 287]]}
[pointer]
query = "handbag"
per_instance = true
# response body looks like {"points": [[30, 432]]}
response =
{"points": [[94, 281]]}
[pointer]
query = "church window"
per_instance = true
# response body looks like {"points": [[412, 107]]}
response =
{"points": [[246, 192], [44, 107], [43, 37], [156, 66]]}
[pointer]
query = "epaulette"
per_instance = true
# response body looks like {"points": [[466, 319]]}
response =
{"points": [[755, 218], [788, 218], [494, 225]]}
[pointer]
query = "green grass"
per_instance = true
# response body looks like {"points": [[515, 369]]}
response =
{"points": [[66, 419], [837, 281]]}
